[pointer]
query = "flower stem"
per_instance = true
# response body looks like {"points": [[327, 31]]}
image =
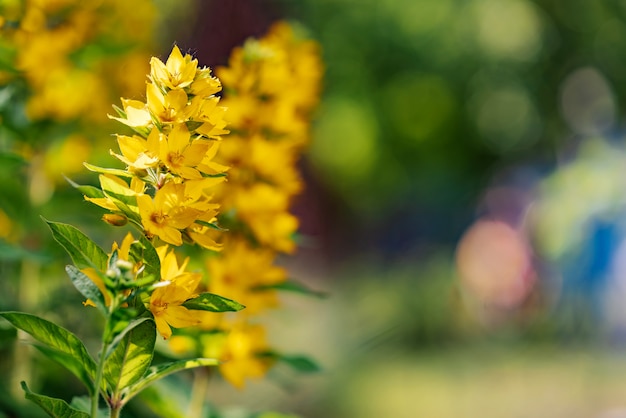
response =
{"points": [[198, 392], [96, 393], [115, 412]]}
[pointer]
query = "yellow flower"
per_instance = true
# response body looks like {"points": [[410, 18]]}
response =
{"points": [[240, 352], [240, 272], [166, 301], [177, 72], [264, 210], [139, 153], [137, 114], [168, 213], [182, 156]]}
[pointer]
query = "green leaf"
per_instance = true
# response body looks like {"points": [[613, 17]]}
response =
{"points": [[132, 324], [211, 225], [73, 353], [299, 363], [291, 285], [87, 287], [69, 362], [114, 171], [83, 251], [83, 403], [213, 303], [160, 371], [131, 358], [89, 191], [56, 408]]}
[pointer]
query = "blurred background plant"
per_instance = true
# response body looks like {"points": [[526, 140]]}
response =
{"points": [[463, 206]]}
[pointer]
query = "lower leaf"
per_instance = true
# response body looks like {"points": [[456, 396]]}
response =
{"points": [[56, 408], [160, 371]]}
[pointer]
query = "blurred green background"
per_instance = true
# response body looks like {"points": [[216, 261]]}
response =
{"points": [[465, 208]]}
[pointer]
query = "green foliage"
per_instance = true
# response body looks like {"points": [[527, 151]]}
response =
{"points": [[160, 371], [60, 344], [56, 408], [131, 358], [213, 303], [86, 287], [83, 251]]}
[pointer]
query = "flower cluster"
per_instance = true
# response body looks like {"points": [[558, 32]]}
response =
{"points": [[62, 63], [166, 188], [59, 33], [270, 89], [169, 159]]}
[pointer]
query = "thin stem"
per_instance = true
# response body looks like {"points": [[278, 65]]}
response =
{"points": [[96, 393], [198, 392]]}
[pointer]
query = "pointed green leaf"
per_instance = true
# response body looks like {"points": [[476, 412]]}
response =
{"points": [[214, 303], [87, 287], [56, 408], [74, 354], [69, 362], [83, 251], [132, 356], [102, 170], [132, 324], [89, 191], [160, 371], [291, 285]]}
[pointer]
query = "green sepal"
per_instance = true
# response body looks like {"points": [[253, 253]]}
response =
{"points": [[56, 408], [131, 358], [75, 356], [291, 285], [160, 371], [213, 303], [300, 363], [83, 251], [87, 288], [144, 251]]}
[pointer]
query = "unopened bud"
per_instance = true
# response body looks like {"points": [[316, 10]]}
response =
{"points": [[115, 219]]}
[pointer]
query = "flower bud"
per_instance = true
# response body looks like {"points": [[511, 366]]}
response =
{"points": [[115, 219]]}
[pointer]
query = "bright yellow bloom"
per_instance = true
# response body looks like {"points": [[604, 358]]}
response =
{"points": [[166, 301], [139, 153], [240, 350], [137, 114], [181, 155], [264, 210], [241, 272], [177, 72], [168, 213]]}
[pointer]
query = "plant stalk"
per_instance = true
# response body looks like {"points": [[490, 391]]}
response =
{"points": [[198, 392]]}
